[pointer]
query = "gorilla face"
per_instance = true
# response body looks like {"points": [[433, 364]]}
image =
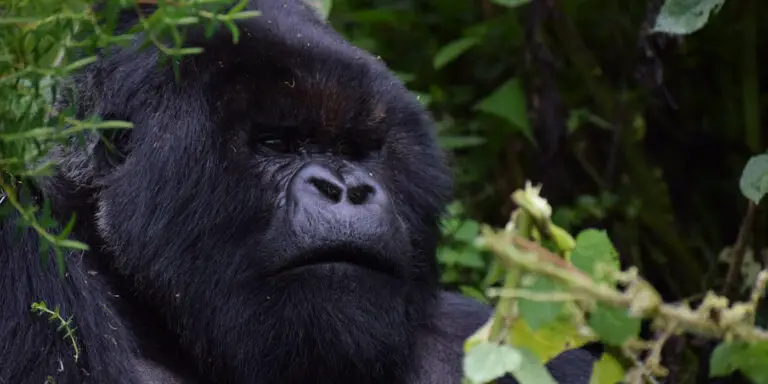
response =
{"points": [[279, 206]]}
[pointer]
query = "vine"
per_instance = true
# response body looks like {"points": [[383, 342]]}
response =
{"points": [[64, 324], [558, 288]]}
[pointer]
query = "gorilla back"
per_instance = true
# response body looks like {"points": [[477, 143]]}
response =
{"points": [[272, 218]]}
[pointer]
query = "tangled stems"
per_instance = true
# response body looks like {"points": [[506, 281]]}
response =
{"points": [[517, 250], [640, 297]]}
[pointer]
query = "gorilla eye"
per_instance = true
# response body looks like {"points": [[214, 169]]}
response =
{"points": [[277, 145], [274, 143]]}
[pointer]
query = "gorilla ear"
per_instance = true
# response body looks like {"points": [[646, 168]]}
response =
{"points": [[86, 158]]}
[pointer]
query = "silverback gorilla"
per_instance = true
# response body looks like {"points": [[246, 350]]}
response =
{"points": [[271, 218]]}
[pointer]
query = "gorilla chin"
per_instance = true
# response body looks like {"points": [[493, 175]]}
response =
{"points": [[351, 313], [361, 274]]}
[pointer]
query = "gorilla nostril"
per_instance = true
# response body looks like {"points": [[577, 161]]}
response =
{"points": [[319, 186], [360, 194], [327, 188]]}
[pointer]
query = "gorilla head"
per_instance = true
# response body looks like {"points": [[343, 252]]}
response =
{"points": [[278, 207]]}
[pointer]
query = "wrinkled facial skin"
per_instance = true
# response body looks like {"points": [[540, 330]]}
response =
{"points": [[278, 206]]}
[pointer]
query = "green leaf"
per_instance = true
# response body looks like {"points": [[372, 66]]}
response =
{"points": [[749, 358], [80, 63], [613, 325], [453, 50], [322, 7], [721, 362], [540, 313], [466, 257], [450, 276], [607, 370], [456, 142], [405, 77], [424, 98], [531, 371], [685, 16], [508, 102], [548, 341], [61, 264], [511, 3], [72, 244], [489, 361], [473, 292], [495, 273], [68, 228], [594, 248], [468, 231], [754, 178]]}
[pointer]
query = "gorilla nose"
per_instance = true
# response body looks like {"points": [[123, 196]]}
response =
{"points": [[316, 185]]}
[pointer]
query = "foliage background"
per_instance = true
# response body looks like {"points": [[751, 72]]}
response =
{"points": [[642, 134], [541, 90]]}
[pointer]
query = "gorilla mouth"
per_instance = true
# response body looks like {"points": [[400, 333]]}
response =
{"points": [[362, 257]]}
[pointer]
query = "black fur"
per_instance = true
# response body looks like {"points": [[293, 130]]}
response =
{"points": [[197, 229]]}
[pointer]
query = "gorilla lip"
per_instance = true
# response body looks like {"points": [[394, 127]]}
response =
{"points": [[363, 257]]}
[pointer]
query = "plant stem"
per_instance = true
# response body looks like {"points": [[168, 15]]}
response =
{"points": [[738, 251], [664, 314], [10, 194]]}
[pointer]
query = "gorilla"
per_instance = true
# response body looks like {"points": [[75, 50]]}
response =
{"points": [[272, 217]]}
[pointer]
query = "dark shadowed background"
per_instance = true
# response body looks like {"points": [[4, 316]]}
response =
{"points": [[642, 134]]}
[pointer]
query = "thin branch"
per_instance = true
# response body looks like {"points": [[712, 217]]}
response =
{"points": [[738, 251], [732, 320]]}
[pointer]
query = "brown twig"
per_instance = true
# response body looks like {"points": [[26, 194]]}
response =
{"points": [[738, 251], [685, 318], [544, 254]]}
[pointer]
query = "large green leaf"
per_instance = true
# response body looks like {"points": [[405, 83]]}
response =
{"points": [[550, 340], [594, 248], [489, 361], [508, 102], [452, 51], [465, 257], [685, 16], [322, 7], [467, 231], [457, 142], [607, 370], [754, 178], [614, 325], [531, 371], [538, 314], [749, 358]]}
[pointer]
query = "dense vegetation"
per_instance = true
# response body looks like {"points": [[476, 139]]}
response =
{"points": [[636, 117]]}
